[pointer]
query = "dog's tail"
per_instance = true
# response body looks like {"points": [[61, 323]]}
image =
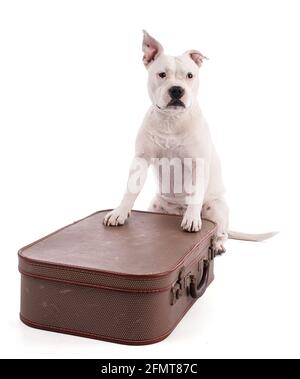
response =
{"points": [[250, 237]]}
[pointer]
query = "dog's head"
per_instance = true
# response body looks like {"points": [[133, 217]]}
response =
{"points": [[172, 81]]}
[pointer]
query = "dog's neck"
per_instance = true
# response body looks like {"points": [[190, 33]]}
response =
{"points": [[172, 123]]}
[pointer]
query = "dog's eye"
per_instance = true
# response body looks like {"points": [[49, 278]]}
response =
{"points": [[162, 75], [190, 75]]}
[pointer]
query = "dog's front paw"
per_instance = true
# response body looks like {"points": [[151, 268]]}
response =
{"points": [[191, 222], [116, 217]]}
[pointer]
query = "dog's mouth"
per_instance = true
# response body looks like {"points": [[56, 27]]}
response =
{"points": [[175, 103]]}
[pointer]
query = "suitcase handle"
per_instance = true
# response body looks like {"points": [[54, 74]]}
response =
{"points": [[197, 290]]}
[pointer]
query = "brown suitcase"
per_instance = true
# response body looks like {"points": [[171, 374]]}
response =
{"points": [[129, 284]]}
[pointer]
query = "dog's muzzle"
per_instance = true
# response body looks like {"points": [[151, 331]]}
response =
{"points": [[176, 94]]}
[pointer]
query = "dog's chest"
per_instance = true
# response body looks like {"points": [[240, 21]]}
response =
{"points": [[165, 143], [170, 147]]}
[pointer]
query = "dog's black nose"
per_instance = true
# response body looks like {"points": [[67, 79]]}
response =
{"points": [[176, 92]]}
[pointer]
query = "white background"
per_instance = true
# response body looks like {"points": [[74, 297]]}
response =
{"points": [[72, 96]]}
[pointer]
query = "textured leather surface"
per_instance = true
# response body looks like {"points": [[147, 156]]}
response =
{"points": [[128, 284], [123, 317]]}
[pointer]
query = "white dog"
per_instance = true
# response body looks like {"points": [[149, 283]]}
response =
{"points": [[174, 128]]}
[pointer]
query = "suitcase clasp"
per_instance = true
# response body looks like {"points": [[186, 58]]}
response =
{"points": [[178, 287]]}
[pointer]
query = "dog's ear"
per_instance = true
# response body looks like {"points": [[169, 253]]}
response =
{"points": [[196, 56], [151, 49]]}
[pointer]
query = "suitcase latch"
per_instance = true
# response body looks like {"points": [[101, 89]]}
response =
{"points": [[211, 253], [178, 287]]}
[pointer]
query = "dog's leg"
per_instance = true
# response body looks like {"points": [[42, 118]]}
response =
{"points": [[217, 211], [136, 180], [195, 179]]}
